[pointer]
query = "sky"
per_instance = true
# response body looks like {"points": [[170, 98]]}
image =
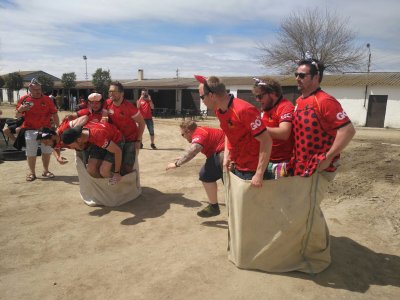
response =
{"points": [[206, 37]]}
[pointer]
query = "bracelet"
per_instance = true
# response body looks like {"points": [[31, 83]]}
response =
{"points": [[176, 164]]}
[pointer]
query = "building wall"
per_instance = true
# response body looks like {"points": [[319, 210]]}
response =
{"points": [[353, 101]]}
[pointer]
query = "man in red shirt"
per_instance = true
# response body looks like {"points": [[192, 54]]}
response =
{"points": [[277, 115], [105, 142], [210, 142], [39, 111], [145, 106], [321, 127], [94, 111], [247, 143], [127, 118]]}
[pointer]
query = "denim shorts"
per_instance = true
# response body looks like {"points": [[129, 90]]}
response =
{"points": [[150, 125], [211, 171]]}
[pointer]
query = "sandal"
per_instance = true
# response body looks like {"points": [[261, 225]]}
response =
{"points": [[30, 177], [48, 174]]}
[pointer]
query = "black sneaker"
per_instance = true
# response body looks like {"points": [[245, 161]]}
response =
{"points": [[208, 211], [153, 147], [141, 146]]}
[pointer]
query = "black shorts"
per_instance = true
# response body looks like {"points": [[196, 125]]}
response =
{"points": [[102, 154], [211, 171]]}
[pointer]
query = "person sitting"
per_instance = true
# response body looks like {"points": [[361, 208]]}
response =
{"points": [[105, 142], [13, 128]]}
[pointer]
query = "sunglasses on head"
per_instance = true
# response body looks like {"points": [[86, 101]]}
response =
{"points": [[301, 75]]}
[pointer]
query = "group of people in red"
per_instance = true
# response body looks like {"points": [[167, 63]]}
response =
{"points": [[109, 133], [283, 140], [280, 141]]}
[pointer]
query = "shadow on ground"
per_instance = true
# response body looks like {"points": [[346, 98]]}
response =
{"points": [[355, 268], [151, 204]]}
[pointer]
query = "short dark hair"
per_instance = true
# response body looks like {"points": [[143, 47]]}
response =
{"points": [[118, 85], [316, 67], [71, 135]]}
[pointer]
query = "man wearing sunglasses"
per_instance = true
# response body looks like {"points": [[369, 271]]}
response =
{"points": [[277, 115], [322, 129], [247, 143]]}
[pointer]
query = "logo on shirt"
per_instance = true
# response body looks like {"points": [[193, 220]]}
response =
{"points": [[286, 116], [106, 143], [341, 115], [195, 139], [257, 123]]}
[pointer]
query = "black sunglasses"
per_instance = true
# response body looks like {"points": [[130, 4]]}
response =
{"points": [[203, 96], [301, 75]]}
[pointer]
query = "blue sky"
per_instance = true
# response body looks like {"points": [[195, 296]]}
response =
{"points": [[208, 37]]}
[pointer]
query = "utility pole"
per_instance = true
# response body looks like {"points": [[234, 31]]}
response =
{"points": [[177, 73], [85, 59], [368, 69]]}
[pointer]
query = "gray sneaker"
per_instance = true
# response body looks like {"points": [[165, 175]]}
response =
{"points": [[208, 211]]}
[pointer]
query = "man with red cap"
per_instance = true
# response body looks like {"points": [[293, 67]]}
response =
{"points": [[38, 111], [247, 143]]}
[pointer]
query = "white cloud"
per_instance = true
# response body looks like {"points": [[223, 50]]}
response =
{"points": [[53, 35]]}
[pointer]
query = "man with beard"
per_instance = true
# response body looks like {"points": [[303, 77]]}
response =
{"points": [[127, 118], [277, 115]]}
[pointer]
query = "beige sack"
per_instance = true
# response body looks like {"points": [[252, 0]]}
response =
{"points": [[97, 191], [280, 227]]}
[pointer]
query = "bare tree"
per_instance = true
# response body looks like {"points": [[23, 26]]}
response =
{"points": [[326, 35]]}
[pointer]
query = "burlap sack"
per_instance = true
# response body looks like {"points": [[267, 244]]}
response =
{"points": [[97, 191], [280, 227]]}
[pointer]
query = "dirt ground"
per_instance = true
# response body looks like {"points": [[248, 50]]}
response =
{"points": [[53, 246]]}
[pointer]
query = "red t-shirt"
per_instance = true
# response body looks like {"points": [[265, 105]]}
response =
{"points": [[40, 113], [316, 121], [281, 112], [212, 140], [145, 108], [102, 134], [92, 116], [65, 124], [241, 123], [121, 116]]}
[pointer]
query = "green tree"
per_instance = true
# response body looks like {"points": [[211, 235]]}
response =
{"points": [[13, 82], [1, 91], [101, 81], [326, 35], [68, 81], [47, 83]]}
